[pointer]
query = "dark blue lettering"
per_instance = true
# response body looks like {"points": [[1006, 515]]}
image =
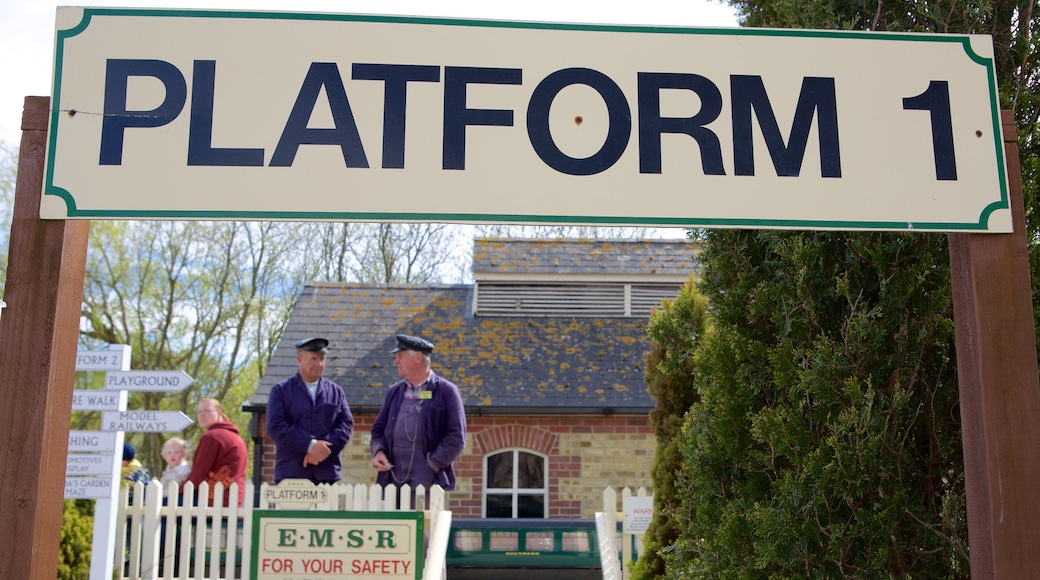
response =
{"points": [[200, 132], [457, 117], [652, 124], [619, 118], [817, 94], [344, 133], [395, 79], [936, 100], [117, 118]]}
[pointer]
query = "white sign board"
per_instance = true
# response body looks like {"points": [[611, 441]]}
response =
{"points": [[144, 421], [92, 441], [88, 487], [115, 358], [639, 511], [337, 545], [147, 380], [242, 112], [296, 494], [89, 464], [98, 400]]}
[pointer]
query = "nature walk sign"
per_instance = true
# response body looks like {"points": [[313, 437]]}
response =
{"points": [[166, 114], [253, 115]]}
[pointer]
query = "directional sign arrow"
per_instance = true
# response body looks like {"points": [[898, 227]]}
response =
{"points": [[88, 487], [90, 464], [92, 441], [147, 381], [98, 400], [144, 421]]}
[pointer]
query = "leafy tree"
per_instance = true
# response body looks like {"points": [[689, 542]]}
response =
{"points": [[213, 299], [675, 330], [77, 530], [825, 440]]}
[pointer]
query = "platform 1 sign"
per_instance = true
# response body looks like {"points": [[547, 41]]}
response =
{"points": [[566, 123], [296, 494], [144, 421], [337, 545]]}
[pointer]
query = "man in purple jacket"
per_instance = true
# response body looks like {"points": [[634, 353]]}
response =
{"points": [[309, 419], [421, 428]]}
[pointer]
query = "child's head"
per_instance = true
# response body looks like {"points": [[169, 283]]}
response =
{"points": [[174, 451]]}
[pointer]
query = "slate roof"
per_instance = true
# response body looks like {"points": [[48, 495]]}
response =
{"points": [[569, 257], [502, 364]]}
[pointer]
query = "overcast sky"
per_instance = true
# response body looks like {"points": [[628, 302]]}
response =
{"points": [[27, 27]]}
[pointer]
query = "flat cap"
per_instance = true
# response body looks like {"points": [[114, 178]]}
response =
{"points": [[406, 342], [313, 344]]}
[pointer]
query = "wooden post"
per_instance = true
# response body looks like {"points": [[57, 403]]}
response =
{"points": [[38, 336], [999, 389]]}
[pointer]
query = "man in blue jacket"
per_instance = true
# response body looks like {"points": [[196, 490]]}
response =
{"points": [[421, 428], [309, 419]]}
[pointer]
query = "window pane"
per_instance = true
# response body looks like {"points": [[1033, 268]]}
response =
{"points": [[504, 541], [500, 506], [576, 542], [531, 472], [468, 541], [539, 542], [500, 471], [530, 506]]}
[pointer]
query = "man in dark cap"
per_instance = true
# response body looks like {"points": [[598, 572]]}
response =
{"points": [[309, 419], [421, 428]]}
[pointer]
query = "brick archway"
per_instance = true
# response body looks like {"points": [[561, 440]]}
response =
{"points": [[522, 436]]}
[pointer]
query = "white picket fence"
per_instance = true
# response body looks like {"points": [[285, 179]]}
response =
{"points": [[220, 537], [606, 526]]}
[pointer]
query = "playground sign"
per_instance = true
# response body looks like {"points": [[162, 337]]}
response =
{"points": [[263, 115], [154, 381]]}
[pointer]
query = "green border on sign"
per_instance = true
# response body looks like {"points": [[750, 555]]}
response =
{"points": [[680, 221], [417, 516]]}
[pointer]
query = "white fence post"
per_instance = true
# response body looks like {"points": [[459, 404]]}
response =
{"points": [[606, 531], [150, 527]]}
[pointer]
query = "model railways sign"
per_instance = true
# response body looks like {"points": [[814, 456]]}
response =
{"points": [[251, 115]]}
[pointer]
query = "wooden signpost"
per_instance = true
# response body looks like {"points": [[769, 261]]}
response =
{"points": [[93, 468]]}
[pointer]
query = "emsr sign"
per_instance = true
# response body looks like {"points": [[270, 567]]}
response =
{"points": [[319, 116]]}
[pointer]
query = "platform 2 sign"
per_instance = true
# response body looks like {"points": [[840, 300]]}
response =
{"points": [[337, 545], [565, 123], [115, 358]]}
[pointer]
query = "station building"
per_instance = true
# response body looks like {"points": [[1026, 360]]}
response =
{"points": [[547, 347]]}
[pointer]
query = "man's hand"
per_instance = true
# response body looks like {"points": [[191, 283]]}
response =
{"points": [[380, 462], [320, 452]]}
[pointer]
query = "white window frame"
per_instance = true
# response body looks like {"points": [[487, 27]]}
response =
{"points": [[515, 491]]}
